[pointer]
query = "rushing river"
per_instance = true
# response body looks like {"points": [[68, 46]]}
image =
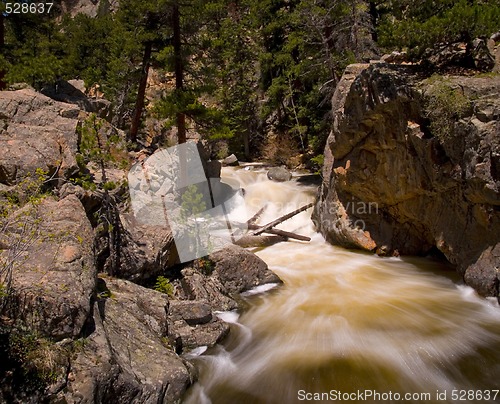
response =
{"points": [[350, 325]]}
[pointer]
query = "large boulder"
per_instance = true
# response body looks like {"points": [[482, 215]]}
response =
{"points": [[88, 7], [474, 55], [400, 176], [192, 324], [220, 277], [240, 270], [74, 92], [146, 250], [230, 160], [196, 285], [36, 132], [53, 286], [484, 274]]}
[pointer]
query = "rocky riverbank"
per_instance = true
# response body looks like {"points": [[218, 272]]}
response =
{"points": [[412, 166], [76, 326]]}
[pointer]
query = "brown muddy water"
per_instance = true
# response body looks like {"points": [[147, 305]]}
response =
{"points": [[348, 326]]}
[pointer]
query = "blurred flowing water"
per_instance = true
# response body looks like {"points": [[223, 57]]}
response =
{"points": [[347, 321]]}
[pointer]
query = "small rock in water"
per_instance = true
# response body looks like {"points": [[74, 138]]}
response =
{"points": [[231, 160], [279, 174]]}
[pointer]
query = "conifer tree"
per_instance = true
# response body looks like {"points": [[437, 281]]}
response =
{"points": [[31, 48], [419, 25]]}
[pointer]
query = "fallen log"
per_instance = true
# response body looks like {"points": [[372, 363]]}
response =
{"points": [[254, 238], [283, 233], [270, 225], [259, 241]]}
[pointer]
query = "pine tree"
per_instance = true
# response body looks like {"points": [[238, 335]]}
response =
{"points": [[420, 25], [32, 48]]}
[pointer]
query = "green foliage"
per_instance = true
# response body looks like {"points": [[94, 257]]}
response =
{"points": [[39, 359], [192, 202], [306, 45], [90, 143], [211, 121], [317, 162], [445, 106], [88, 56], [423, 24], [249, 66], [163, 285], [32, 51], [99, 144], [206, 266]]}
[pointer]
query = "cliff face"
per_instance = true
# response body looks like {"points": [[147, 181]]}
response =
{"points": [[413, 165]]}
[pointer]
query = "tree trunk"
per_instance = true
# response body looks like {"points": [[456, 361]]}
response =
{"points": [[246, 144], [374, 18], [141, 92], [3, 85], [178, 70], [111, 225]]}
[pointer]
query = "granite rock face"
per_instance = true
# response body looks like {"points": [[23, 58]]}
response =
{"points": [[87, 7], [400, 177], [240, 270], [74, 92], [146, 250]]}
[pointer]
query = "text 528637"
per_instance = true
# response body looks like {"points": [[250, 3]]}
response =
{"points": [[28, 8]]}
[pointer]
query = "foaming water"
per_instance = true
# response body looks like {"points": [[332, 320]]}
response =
{"points": [[347, 321]]}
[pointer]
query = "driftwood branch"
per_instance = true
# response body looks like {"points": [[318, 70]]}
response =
{"points": [[281, 219], [256, 217]]}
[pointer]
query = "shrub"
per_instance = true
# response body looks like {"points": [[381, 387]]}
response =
{"points": [[19, 227], [39, 359], [163, 285], [445, 106], [206, 266]]}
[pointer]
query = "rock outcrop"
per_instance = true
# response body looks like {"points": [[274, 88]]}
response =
{"points": [[413, 166], [74, 92], [146, 250], [473, 55], [36, 132], [87, 7], [240, 270]]}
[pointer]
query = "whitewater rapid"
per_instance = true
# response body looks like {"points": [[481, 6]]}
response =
{"points": [[346, 322]]}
